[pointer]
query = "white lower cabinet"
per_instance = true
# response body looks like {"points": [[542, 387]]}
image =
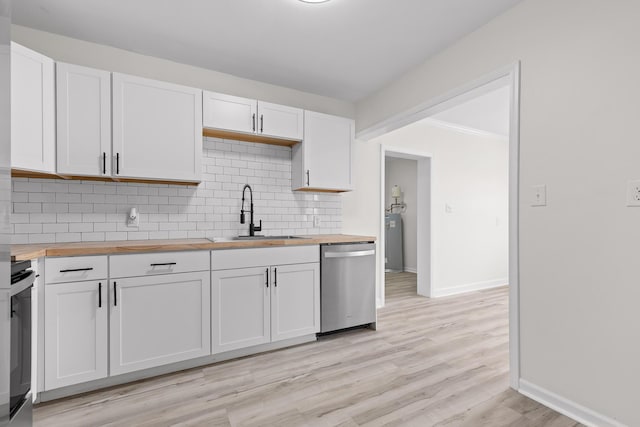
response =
{"points": [[159, 320], [295, 301], [162, 308], [254, 305], [76, 333], [240, 308]]}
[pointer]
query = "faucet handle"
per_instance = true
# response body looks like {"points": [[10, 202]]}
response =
{"points": [[258, 227]]}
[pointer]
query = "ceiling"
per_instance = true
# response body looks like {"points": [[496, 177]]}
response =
{"points": [[345, 49], [488, 113]]}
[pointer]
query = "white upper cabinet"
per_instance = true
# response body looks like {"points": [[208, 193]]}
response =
{"points": [[280, 121], [84, 120], [232, 114], [157, 130], [32, 111], [322, 162]]}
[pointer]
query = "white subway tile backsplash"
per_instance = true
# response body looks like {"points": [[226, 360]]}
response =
{"points": [[57, 211]]}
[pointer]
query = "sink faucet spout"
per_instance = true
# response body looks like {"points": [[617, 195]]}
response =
{"points": [[252, 227]]}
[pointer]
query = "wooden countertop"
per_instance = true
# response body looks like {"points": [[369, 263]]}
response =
{"points": [[26, 252]]}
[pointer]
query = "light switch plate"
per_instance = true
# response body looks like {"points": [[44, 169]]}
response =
{"points": [[633, 193], [538, 195]]}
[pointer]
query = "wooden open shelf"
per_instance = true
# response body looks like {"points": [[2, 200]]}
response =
{"points": [[19, 173], [245, 137]]}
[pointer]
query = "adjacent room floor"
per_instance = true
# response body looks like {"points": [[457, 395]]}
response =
{"points": [[441, 362]]}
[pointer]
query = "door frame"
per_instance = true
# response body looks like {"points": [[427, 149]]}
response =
{"points": [[424, 227], [484, 84]]}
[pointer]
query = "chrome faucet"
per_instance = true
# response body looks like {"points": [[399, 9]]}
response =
{"points": [[252, 226]]}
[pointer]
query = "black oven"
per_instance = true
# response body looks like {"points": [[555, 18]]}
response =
{"points": [[20, 374]]}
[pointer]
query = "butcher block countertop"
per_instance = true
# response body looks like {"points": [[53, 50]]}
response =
{"points": [[26, 252]]}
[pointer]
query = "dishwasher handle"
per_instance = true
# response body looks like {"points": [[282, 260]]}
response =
{"points": [[349, 254]]}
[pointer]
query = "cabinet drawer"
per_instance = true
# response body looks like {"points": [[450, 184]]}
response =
{"points": [[75, 269], [158, 263], [255, 257]]}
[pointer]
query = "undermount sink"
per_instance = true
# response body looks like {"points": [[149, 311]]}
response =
{"points": [[236, 238]]}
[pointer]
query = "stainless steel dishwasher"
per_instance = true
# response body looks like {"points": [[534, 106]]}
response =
{"points": [[347, 286]]}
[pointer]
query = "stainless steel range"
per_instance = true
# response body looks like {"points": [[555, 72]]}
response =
{"points": [[22, 278]]}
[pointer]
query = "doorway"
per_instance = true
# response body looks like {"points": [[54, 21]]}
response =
{"points": [[407, 218], [508, 77]]}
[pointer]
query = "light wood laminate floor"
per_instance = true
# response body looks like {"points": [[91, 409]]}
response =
{"points": [[432, 362]]}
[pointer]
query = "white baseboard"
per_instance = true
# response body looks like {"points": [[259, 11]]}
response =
{"points": [[470, 287], [411, 270], [567, 407]]}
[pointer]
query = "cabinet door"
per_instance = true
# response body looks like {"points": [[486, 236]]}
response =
{"points": [[240, 308], [326, 153], [280, 121], [295, 301], [158, 320], [230, 113], [32, 111], [157, 129], [84, 120], [75, 346]]}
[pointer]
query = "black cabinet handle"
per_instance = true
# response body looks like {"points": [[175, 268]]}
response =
{"points": [[261, 123], [253, 120], [266, 283], [99, 294], [71, 270], [115, 295], [117, 163], [104, 163], [163, 264], [275, 277], [307, 177]]}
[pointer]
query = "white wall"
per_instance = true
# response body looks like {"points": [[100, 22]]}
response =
{"points": [[404, 173], [74, 51], [470, 174], [579, 109]]}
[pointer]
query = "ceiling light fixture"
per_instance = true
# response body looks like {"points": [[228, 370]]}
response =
{"points": [[314, 1]]}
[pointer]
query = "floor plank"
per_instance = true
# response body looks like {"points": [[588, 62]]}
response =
{"points": [[432, 362]]}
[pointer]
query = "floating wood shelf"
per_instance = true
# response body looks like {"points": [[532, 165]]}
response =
{"points": [[19, 173], [320, 190], [245, 137]]}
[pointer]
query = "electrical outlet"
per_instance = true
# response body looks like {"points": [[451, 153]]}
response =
{"points": [[133, 219], [316, 221], [538, 195], [633, 193]]}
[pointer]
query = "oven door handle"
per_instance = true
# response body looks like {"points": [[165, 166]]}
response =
{"points": [[23, 284]]}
